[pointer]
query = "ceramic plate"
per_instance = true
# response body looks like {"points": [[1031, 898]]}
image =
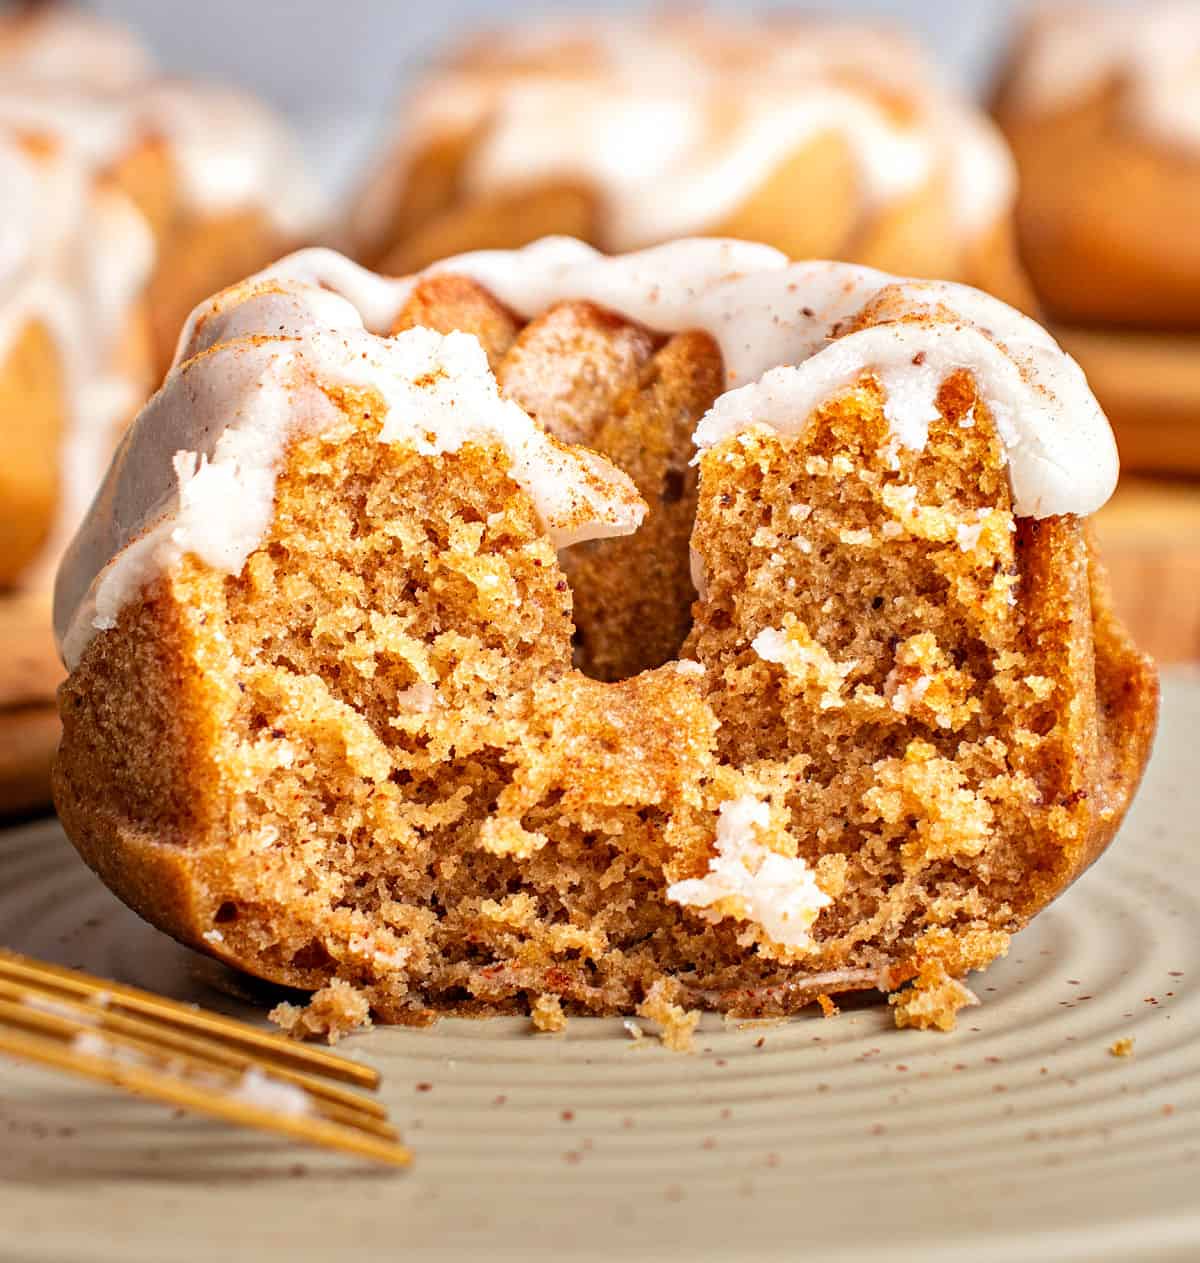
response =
{"points": [[1020, 1136]]}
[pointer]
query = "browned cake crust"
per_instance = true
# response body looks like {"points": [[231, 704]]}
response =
{"points": [[368, 756]]}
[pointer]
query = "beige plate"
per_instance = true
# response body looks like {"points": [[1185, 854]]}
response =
{"points": [[1018, 1137]]}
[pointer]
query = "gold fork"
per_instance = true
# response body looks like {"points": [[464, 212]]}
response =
{"points": [[189, 1058]]}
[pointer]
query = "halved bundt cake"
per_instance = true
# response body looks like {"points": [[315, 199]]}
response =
{"points": [[416, 647]]}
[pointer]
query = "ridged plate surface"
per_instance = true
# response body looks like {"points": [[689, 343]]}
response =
{"points": [[1020, 1136]]}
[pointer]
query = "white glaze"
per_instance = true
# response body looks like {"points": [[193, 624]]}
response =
{"points": [[663, 168], [773, 320], [247, 362], [1149, 51], [58, 43], [677, 122], [748, 880], [230, 152], [113, 264]]}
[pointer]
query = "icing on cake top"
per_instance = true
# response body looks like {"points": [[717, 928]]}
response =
{"points": [[676, 122], [1150, 52], [228, 151], [58, 43], [196, 472]]}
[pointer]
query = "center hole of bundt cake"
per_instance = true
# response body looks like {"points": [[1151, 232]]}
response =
{"points": [[597, 379], [592, 377], [632, 597]]}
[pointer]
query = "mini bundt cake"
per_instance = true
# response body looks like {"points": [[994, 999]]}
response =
{"points": [[1100, 107], [53, 41], [824, 139], [76, 258], [127, 199], [75, 358], [213, 173], [417, 649]]}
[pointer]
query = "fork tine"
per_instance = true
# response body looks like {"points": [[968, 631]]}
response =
{"points": [[41, 1022], [276, 1048], [174, 1091], [200, 1047]]}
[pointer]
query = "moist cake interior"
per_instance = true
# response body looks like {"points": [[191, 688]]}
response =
{"points": [[460, 772]]}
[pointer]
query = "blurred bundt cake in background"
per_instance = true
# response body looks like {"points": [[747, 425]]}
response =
{"points": [[48, 41], [824, 139], [125, 197], [1102, 108]]}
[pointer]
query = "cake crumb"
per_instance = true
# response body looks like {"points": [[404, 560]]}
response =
{"points": [[334, 1011], [933, 1000], [1122, 1047], [828, 1008], [547, 1014], [678, 1025]]}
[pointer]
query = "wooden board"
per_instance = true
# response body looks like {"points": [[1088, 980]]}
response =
{"points": [[29, 674], [1149, 385], [1149, 537], [28, 739]]}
